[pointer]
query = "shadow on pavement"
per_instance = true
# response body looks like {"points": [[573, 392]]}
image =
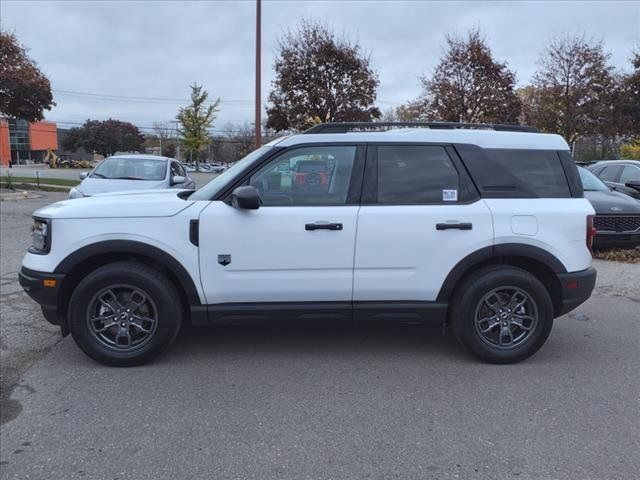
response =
{"points": [[302, 340]]}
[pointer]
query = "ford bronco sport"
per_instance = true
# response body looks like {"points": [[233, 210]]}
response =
{"points": [[480, 227]]}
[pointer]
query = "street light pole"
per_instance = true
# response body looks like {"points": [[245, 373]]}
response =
{"points": [[258, 125]]}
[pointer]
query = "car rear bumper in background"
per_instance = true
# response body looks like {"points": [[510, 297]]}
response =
{"points": [[576, 288], [43, 287]]}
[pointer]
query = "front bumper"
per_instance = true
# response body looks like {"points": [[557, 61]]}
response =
{"points": [[615, 239], [576, 288], [44, 288]]}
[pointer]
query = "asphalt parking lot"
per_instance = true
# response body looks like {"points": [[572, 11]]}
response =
{"points": [[322, 403]]}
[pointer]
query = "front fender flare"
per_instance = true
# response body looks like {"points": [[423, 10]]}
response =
{"points": [[135, 248]]}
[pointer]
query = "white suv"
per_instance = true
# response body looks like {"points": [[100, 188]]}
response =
{"points": [[483, 227]]}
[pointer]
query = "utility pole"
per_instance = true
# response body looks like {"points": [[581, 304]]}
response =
{"points": [[177, 141], [258, 125]]}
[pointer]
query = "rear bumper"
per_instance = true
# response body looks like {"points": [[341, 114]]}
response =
{"points": [[576, 288], [46, 295]]}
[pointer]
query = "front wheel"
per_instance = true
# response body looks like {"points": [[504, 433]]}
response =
{"points": [[124, 314], [502, 314]]}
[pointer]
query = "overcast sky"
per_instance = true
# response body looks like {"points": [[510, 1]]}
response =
{"points": [[151, 51]]}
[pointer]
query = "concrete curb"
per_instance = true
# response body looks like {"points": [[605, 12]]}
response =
{"points": [[18, 195], [45, 187]]}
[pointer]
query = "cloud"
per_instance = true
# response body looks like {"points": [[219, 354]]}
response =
{"points": [[156, 49]]}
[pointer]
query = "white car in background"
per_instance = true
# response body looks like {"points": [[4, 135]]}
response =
{"points": [[133, 172]]}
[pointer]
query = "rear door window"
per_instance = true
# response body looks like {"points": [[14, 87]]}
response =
{"points": [[416, 174], [539, 170]]}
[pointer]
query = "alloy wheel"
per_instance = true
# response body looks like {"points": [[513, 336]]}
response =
{"points": [[122, 317], [506, 317]]}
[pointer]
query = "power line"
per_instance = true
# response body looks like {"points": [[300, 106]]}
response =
{"points": [[127, 98], [160, 100], [149, 128]]}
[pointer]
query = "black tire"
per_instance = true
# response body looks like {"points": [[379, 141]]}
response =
{"points": [[497, 282], [162, 304]]}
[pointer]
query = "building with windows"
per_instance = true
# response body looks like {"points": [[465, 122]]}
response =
{"points": [[26, 142]]}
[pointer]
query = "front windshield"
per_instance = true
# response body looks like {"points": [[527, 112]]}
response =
{"points": [[130, 168], [591, 183], [208, 191]]}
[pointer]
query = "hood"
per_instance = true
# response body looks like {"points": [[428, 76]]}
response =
{"points": [[144, 203], [613, 203], [93, 186]]}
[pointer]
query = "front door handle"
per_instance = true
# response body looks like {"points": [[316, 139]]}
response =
{"points": [[450, 226], [323, 226]]}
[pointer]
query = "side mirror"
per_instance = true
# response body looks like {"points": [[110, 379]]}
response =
{"points": [[178, 179], [83, 175], [246, 198], [635, 184]]}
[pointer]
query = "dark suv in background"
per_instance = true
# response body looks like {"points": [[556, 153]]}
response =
{"points": [[617, 220]]}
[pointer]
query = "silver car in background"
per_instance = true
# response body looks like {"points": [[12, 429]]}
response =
{"points": [[133, 172]]}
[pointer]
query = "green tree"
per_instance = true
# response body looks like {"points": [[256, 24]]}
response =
{"points": [[630, 151], [194, 121], [320, 78], [468, 85], [25, 92]]}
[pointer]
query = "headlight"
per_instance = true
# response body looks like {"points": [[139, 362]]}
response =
{"points": [[40, 236], [76, 193]]}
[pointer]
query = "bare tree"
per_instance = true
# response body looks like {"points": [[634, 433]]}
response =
{"points": [[573, 89], [164, 132], [629, 100], [468, 85]]}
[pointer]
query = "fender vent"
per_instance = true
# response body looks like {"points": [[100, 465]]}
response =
{"points": [[194, 232]]}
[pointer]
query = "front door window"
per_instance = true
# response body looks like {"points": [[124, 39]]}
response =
{"points": [[309, 176]]}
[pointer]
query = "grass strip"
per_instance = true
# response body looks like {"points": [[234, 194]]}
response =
{"points": [[67, 182]]}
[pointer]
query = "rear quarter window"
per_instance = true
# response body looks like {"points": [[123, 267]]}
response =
{"points": [[540, 170]]}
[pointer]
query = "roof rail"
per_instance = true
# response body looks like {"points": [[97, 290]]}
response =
{"points": [[344, 127]]}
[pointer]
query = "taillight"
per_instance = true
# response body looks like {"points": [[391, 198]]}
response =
{"points": [[591, 232]]}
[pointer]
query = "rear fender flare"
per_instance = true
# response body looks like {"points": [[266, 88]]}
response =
{"points": [[491, 254]]}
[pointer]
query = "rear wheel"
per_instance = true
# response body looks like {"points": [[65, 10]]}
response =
{"points": [[502, 314], [124, 314]]}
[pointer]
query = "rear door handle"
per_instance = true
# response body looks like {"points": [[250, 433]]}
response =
{"points": [[323, 226], [450, 226]]}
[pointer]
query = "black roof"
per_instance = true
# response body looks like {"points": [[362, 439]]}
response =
{"points": [[344, 127]]}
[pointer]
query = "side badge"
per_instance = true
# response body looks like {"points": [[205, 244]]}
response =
{"points": [[224, 260]]}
